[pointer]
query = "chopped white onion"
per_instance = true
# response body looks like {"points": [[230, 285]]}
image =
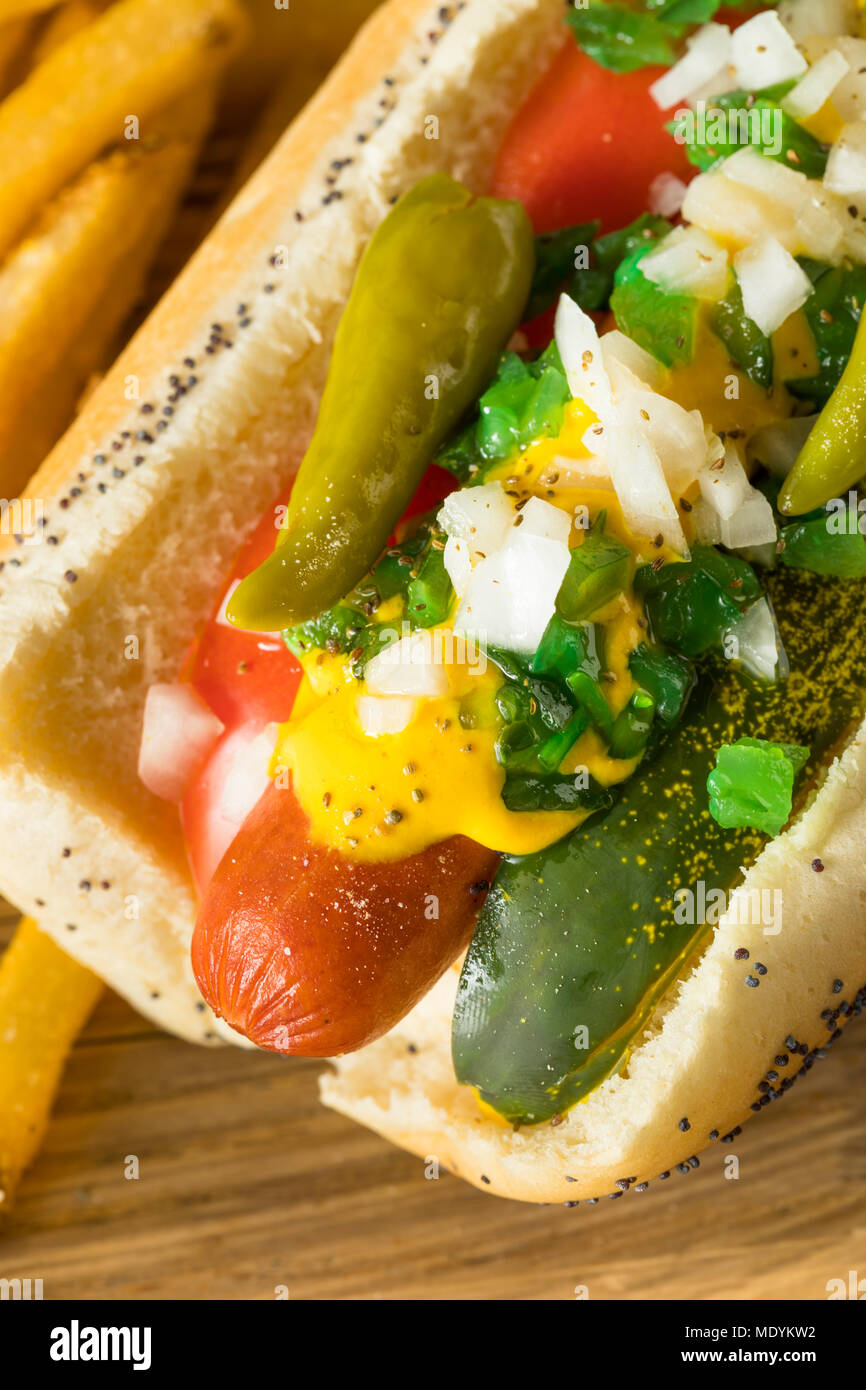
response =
{"points": [[511, 596], [385, 714], [849, 95], [755, 641], [641, 487], [247, 778], [617, 347], [540, 518], [735, 212], [676, 435], [177, 734], [666, 193], [778, 445], [480, 516], [724, 484], [803, 18], [578, 343], [707, 51], [766, 176], [773, 285], [752, 524], [816, 86], [413, 665], [764, 53], [821, 224], [846, 164], [688, 261], [457, 559]]}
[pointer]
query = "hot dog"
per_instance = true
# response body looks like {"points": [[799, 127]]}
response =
{"points": [[621, 754]]}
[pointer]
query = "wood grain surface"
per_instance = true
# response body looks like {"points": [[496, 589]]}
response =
{"points": [[246, 1183]]}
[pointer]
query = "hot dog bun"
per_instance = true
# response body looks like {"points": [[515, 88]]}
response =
{"points": [[144, 511], [708, 1048], [139, 549]]}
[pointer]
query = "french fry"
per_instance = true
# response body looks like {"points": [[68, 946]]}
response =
{"points": [[139, 57], [45, 998], [14, 37], [67, 20], [66, 290]]}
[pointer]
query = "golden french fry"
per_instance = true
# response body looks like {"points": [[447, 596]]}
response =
{"points": [[137, 58], [11, 9], [67, 20], [66, 290], [14, 37], [45, 998]]}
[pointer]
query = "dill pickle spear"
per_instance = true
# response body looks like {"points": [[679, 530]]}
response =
{"points": [[833, 458], [439, 290]]}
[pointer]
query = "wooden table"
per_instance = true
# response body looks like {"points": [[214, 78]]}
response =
{"points": [[247, 1183]]}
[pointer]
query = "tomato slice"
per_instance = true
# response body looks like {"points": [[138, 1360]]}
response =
{"points": [[587, 144]]}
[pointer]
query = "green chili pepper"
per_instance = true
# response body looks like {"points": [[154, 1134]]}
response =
{"points": [[810, 544], [438, 291], [833, 458], [752, 784], [567, 647], [597, 571], [663, 323], [747, 346]]}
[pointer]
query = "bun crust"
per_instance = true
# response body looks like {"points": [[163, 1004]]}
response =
{"points": [[145, 509], [708, 1048]]}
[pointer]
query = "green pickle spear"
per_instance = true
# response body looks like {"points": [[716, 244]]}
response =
{"points": [[438, 292], [833, 458]]}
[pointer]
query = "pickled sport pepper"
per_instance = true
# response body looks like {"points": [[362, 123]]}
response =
{"points": [[438, 292]]}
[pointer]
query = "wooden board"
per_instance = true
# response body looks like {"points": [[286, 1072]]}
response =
{"points": [[247, 1183]]}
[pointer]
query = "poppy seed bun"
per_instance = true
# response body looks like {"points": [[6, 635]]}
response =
{"points": [[163, 501]]}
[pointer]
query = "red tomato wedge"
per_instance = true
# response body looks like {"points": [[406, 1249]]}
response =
{"points": [[587, 144], [307, 952]]}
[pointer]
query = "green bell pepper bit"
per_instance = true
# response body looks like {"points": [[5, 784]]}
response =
{"points": [[833, 458], [438, 292]]}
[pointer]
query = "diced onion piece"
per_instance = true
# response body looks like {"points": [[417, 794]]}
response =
{"points": [[846, 165], [849, 96], [641, 487], [540, 518], [803, 18], [752, 524], [579, 472], [617, 347], [580, 350], [764, 53], [778, 445], [177, 734], [706, 53], [821, 225], [816, 86], [766, 176], [511, 596], [456, 558], [735, 212], [773, 285], [413, 665], [666, 193], [756, 642], [688, 261], [247, 778], [724, 484], [481, 516], [676, 435], [707, 523], [385, 714]]}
